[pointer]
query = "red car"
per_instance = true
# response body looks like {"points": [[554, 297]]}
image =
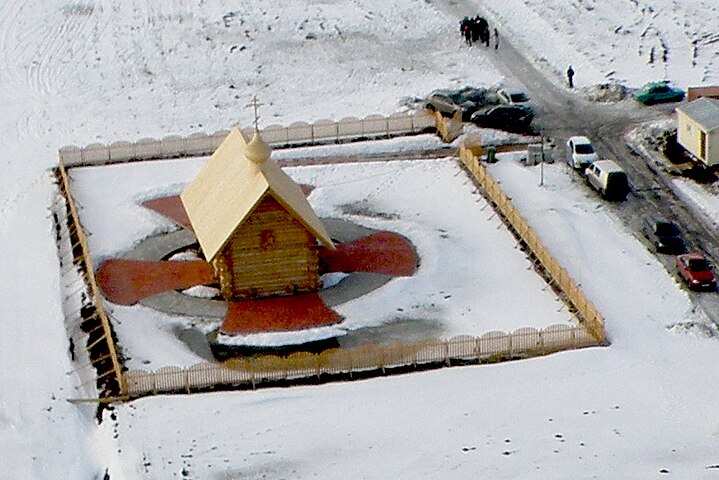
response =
{"points": [[696, 271]]}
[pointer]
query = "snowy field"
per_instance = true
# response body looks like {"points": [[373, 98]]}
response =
{"points": [[78, 73], [624, 41]]}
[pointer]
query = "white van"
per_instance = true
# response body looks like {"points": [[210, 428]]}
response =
{"points": [[609, 179]]}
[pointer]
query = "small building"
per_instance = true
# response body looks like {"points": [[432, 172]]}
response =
{"points": [[698, 129], [254, 223], [694, 93]]}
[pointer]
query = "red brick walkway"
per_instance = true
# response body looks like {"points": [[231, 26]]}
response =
{"points": [[381, 252], [278, 314], [172, 208], [126, 282]]}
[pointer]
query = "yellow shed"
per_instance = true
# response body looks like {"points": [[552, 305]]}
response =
{"points": [[254, 223], [698, 129]]}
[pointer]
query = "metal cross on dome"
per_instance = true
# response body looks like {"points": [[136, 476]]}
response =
{"points": [[255, 104]]}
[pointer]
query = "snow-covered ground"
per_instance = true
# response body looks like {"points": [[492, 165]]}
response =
{"points": [[625, 41], [84, 72]]}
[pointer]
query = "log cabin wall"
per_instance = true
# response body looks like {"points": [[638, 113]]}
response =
{"points": [[271, 253], [223, 274]]}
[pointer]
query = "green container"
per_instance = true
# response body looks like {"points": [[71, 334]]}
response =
{"points": [[491, 152]]}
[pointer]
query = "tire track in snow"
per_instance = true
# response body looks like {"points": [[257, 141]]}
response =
{"points": [[55, 45], [680, 36], [9, 20], [35, 44], [37, 47]]}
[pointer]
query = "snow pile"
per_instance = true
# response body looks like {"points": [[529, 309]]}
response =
{"points": [[606, 92]]}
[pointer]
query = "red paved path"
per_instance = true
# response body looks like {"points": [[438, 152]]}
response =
{"points": [[278, 314], [172, 208], [380, 252], [128, 281]]}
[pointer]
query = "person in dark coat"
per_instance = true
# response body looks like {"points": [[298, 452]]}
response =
{"points": [[496, 39], [483, 29], [462, 25], [476, 32], [570, 77], [467, 26]]}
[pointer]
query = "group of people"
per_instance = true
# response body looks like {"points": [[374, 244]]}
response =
{"points": [[477, 29]]}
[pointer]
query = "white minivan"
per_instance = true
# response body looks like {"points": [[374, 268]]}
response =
{"points": [[609, 179]]}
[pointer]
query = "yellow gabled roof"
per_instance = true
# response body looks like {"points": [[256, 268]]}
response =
{"points": [[290, 195], [229, 187]]}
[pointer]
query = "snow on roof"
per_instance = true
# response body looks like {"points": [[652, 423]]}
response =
{"points": [[704, 111]]}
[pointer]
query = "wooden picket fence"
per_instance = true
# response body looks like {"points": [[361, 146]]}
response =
{"points": [[558, 275], [108, 363], [369, 360], [298, 133]]}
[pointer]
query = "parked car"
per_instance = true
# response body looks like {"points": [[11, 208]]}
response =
{"points": [[472, 94], [515, 97], [696, 271], [440, 101], [466, 100], [663, 234], [504, 117], [658, 92], [608, 178], [580, 153]]}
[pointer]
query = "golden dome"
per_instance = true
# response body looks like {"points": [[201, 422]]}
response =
{"points": [[257, 151]]}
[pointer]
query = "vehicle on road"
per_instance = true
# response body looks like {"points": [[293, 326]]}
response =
{"points": [[696, 271], [466, 100], [515, 97], [580, 153], [609, 179], [663, 234], [658, 92], [503, 117]]}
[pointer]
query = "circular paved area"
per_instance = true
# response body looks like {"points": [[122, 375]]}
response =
{"points": [[370, 257]]}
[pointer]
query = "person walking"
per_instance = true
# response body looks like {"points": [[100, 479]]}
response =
{"points": [[476, 32], [464, 29], [468, 29], [483, 29], [570, 77], [496, 39]]}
